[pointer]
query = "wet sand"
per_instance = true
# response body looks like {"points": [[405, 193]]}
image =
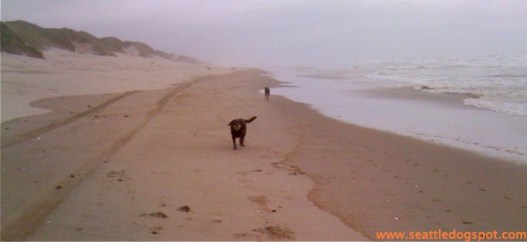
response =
{"points": [[377, 181]]}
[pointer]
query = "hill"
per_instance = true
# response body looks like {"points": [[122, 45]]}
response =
{"points": [[23, 38]]}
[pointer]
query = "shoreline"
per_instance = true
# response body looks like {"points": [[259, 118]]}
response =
{"points": [[441, 118], [511, 152], [377, 181], [364, 177]]}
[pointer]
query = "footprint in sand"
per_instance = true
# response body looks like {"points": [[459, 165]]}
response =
{"points": [[262, 202], [245, 172], [156, 229], [277, 233], [216, 221], [247, 237], [154, 214], [120, 175], [468, 222], [292, 169]]}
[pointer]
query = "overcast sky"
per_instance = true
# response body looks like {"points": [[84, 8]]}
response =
{"points": [[252, 32]]}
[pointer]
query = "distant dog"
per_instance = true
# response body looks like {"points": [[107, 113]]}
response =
{"points": [[267, 93], [239, 129]]}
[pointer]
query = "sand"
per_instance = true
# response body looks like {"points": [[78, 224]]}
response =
{"points": [[65, 73], [159, 165]]}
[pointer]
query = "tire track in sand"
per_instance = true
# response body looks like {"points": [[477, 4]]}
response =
{"points": [[25, 220], [39, 131]]}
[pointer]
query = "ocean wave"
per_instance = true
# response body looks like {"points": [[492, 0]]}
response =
{"points": [[499, 81]]}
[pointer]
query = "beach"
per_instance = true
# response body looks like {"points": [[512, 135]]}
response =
{"points": [[157, 163]]}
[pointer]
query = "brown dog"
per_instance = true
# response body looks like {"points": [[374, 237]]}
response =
{"points": [[239, 129]]}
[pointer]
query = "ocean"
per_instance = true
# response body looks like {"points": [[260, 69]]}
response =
{"points": [[490, 117]]}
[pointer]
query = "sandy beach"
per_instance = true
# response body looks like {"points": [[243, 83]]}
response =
{"points": [[158, 164]]}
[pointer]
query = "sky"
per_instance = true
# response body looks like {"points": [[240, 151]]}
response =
{"points": [[264, 32]]}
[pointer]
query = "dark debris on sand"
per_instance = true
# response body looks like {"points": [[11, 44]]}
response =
{"points": [[184, 209]]}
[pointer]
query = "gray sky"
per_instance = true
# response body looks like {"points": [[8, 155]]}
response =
{"points": [[252, 32]]}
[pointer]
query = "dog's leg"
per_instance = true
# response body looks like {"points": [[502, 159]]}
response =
{"points": [[241, 140], [234, 142]]}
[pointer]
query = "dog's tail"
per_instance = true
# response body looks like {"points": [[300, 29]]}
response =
{"points": [[250, 120]]}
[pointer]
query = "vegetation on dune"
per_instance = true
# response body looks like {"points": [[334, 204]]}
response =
{"points": [[23, 38], [12, 43]]}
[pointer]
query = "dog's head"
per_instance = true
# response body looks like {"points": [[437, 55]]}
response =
{"points": [[236, 126]]}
